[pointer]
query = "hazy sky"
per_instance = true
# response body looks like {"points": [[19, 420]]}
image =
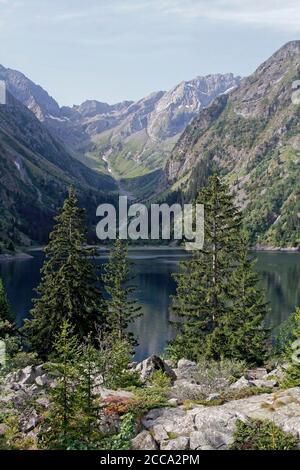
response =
{"points": [[113, 50]]}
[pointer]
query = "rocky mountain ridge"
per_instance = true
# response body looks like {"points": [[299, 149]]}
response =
{"points": [[135, 137]]}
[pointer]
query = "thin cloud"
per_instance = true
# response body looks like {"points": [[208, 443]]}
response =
{"points": [[284, 15], [262, 13]]}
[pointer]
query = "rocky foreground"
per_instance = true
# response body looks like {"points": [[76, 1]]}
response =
{"points": [[183, 423]]}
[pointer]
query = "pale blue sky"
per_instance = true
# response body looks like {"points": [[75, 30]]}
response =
{"points": [[112, 50]]}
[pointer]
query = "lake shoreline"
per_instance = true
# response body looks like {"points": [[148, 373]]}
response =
{"points": [[101, 248], [15, 257]]}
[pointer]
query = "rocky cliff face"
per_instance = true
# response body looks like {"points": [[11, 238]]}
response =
{"points": [[31, 95], [35, 172], [252, 135]]}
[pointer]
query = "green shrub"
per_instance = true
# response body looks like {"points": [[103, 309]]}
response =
{"points": [[122, 440], [114, 360], [23, 359], [160, 379], [262, 435], [146, 399], [285, 336], [214, 376], [292, 376]]}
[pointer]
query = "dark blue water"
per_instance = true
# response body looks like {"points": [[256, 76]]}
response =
{"points": [[279, 272]]}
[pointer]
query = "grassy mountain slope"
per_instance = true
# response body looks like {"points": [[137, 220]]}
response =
{"points": [[253, 136]]}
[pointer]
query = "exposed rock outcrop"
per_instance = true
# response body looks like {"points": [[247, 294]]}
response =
{"points": [[205, 427]]}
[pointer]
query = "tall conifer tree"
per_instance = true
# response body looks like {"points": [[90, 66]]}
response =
{"points": [[122, 309], [209, 317], [242, 328], [68, 288], [62, 420]]}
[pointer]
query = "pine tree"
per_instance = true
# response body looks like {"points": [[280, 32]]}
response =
{"points": [[89, 371], [242, 327], [61, 423], [292, 378], [201, 299], [68, 288], [121, 308]]}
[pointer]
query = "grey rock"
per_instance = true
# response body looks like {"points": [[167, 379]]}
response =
{"points": [[171, 420], [3, 429], [44, 402], [144, 441], [185, 390], [241, 383], [106, 393], [28, 423], [159, 433], [256, 374], [179, 443], [42, 380], [186, 370], [26, 376], [265, 383], [277, 374], [173, 402], [210, 440], [213, 397], [153, 363]]}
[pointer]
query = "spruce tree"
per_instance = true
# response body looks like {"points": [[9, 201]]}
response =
{"points": [[122, 309], [242, 328], [201, 299], [59, 429], [7, 326], [219, 307], [89, 371], [68, 288], [292, 378]]}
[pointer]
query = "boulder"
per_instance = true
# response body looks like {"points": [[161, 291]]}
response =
{"points": [[186, 370], [173, 402], [265, 383], [185, 390], [150, 365], [42, 380], [144, 441], [179, 443], [44, 402], [170, 421], [159, 433], [106, 393], [213, 397], [241, 383], [28, 423], [277, 374], [256, 374], [26, 376]]}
